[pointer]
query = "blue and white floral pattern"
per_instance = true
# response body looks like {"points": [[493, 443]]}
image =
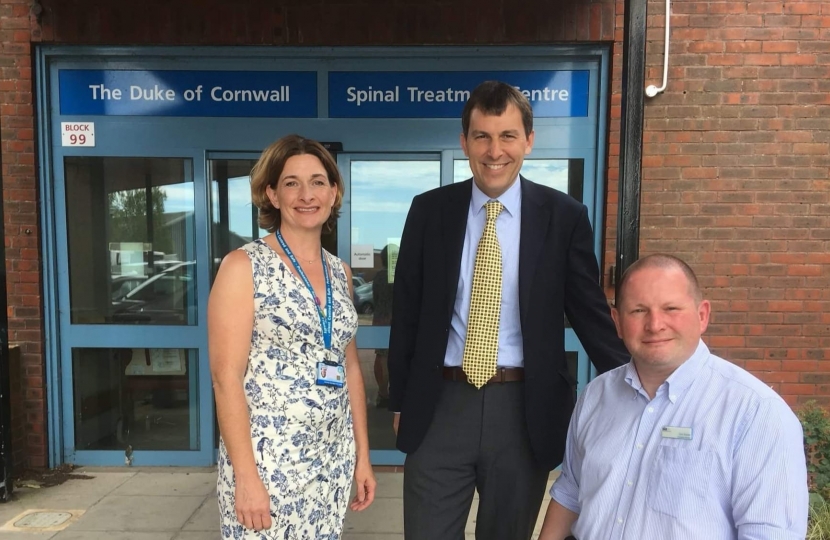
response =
{"points": [[301, 433]]}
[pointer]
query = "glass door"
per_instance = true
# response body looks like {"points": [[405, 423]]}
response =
{"points": [[130, 310], [379, 192]]}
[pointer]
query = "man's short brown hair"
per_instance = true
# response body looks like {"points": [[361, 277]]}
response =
{"points": [[492, 99]]}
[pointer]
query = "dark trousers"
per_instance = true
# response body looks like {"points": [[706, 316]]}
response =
{"points": [[478, 440]]}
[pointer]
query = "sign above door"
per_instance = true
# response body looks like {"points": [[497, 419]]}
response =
{"points": [[294, 94]]}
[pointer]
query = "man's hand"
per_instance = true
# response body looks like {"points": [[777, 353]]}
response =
{"points": [[396, 420]]}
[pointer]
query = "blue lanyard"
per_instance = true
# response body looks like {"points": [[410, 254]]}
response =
{"points": [[325, 320]]}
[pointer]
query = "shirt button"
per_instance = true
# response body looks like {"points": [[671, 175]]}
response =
{"points": [[620, 520], [639, 446], [672, 397], [651, 409], [630, 483]]}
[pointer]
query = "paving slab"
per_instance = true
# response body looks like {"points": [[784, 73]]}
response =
{"points": [[73, 494], [139, 513], [164, 483], [206, 517], [112, 535], [390, 486], [26, 535], [384, 516], [196, 535], [94, 483]]}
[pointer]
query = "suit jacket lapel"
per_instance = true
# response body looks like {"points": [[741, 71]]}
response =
{"points": [[534, 228], [455, 212]]}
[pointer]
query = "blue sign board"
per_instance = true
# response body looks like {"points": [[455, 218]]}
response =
{"points": [[442, 94], [286, 94]]}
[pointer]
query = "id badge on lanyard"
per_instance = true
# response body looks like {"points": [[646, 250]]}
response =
{"points": [[328, 373]]}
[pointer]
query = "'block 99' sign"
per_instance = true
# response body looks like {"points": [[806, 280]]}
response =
{"points": [[77, 134]]}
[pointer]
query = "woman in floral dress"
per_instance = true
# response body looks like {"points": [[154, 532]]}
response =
{"points": [[289, 393]]}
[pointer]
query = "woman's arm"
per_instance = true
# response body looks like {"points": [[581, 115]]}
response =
{"points": [[363, 475], [230, 324]]}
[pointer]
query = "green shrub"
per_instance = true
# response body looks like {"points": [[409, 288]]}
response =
{"points": [[816, 424]]}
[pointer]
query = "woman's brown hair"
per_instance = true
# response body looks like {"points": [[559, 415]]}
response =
{"points": [[269, 167]]}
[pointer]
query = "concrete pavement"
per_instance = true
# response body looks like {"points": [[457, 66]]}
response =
{"points": [[166, 504]]}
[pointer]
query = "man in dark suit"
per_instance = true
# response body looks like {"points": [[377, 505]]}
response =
{"points": [[477, 348]]}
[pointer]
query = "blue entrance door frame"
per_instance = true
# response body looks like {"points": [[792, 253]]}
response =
{"points": [[193, 140]]}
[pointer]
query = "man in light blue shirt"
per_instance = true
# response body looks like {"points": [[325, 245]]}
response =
{"points": [[679, 443]]}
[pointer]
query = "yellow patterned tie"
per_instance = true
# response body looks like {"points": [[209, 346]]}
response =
{"points": [[482, 345]]}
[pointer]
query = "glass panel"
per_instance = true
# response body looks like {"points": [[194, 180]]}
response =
{"points": [[376, 379], [145, 398], [233, 215], [382, 192], [131, 240], [565, 175]]}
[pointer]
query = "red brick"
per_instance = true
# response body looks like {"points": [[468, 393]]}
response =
{"points": [[798, 389], [779, 46]]}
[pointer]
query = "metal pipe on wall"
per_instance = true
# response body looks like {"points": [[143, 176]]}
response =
{"points": [[652, 90]]}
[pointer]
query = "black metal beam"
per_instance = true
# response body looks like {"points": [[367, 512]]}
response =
{"points": [[6, 456], [631, 135]]}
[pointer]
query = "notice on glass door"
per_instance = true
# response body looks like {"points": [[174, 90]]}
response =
{"points": [[363, 256]]}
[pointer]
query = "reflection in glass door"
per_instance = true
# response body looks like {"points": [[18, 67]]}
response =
{"points": [[380, 189], [129, 316]]}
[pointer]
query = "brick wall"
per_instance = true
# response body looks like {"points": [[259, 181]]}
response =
{"points": [[736, 151], [735, 178], [21, 222]]}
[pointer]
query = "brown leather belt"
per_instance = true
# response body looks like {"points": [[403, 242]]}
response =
{"points": [[502, 375]]}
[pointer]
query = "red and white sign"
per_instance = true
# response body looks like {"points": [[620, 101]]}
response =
{"points": [[77, 133]]}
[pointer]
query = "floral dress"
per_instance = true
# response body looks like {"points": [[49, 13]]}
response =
{"points": [[301, 433]]}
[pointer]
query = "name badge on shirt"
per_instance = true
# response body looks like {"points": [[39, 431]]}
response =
{"points": [[671, 432], [330, 374]]}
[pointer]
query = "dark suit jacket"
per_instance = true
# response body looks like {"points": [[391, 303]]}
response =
{"points": [[558, 275]]}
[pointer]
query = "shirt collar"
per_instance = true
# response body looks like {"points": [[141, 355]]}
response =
{"points": [[510, 199], [633, 380], [683, 377], [678, 382]]}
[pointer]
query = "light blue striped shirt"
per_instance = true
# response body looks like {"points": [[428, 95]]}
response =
{"points": [[741, 476], [508, 227]]}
